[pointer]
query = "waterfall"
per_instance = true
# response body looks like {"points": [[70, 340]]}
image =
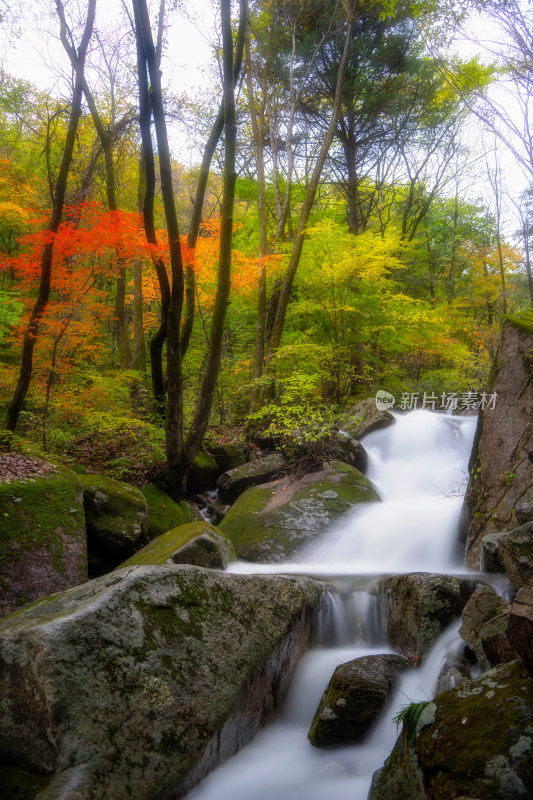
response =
{"points": [[419, 466]]}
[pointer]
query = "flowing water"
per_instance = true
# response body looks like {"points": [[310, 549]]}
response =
{"points": [[419, 466]]}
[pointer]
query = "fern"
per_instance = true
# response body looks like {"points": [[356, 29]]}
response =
{"points": [[409, 716]]}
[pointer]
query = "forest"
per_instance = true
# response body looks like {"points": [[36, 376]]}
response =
{"points": [[357, 216]]}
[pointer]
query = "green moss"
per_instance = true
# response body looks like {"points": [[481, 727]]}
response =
{"points": [[39, 512], [15, 784], [522, 320], [206, 462], [162, 548], [164, 514]]}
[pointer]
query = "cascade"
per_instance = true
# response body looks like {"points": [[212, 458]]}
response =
{"points": [[419, 466]]}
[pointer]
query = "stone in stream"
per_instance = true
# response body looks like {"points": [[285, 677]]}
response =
{"points": [[355, 697], [116, 517], [138, 683], [500, 468], [364, 417], [197, 543], [511, 552], [234, 482], [484, 628], [418, 606], [42, 535], [475, 741], [269, 523]]}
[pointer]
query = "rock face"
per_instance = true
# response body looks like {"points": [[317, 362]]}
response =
{"points": [[42, 538], [355, 697], [234, 482], [417, 607], [164, 513], [510, 552], [364, 418], [138, 683], [475, 741], [116, 517], [197, 543], [520, 628], [501, 470], [484, 628], [270, 522]]}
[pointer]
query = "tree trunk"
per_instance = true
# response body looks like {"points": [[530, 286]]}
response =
{"points": [[205, 400], [32, 331]]}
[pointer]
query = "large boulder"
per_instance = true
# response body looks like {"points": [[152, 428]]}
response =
{"points": [[116, 517], [271, 522], [164, 513], [234, 482], [520, 627], [418, 606], [364, 417], [475, 741], [197, 543], [137, 684], [355, 697], [203, 474], [501, 469], [484, 628], [510, 552], [42, 532]]}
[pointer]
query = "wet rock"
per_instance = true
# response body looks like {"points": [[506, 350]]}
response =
{"points": [[138, 683], [229, 455], [197, 543], [233, 483], [484, 628], [513, 551], [490, 556], [520, 629], [501, 473], [164, 513], [417, 607], [455, 670], [343, 447], [269, 523], [116, 517], [364, 417], [475, 741], [355, 697], [42, 537]]}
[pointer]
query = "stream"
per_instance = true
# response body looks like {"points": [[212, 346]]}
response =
{"points": [[419, 467]]}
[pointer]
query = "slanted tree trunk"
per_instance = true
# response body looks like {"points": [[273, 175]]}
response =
{"points": [[32, 332], [290, 274]]}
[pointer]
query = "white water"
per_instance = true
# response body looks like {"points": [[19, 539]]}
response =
{"points": [[419, 467]]}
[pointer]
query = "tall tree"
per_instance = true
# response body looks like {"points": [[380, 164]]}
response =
{"points": [[32, 331]]}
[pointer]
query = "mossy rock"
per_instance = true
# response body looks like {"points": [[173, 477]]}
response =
{"points": [[473, 741], [197, 543], [522, 320], [116, 517], [203, 474], [138, 683], [42, 538], [271, 522], [355, 697], [164, 514]]}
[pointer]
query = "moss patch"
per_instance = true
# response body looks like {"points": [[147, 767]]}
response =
{"points": [[271, 522], [522, 320], [164, 514], [160, 550]]}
